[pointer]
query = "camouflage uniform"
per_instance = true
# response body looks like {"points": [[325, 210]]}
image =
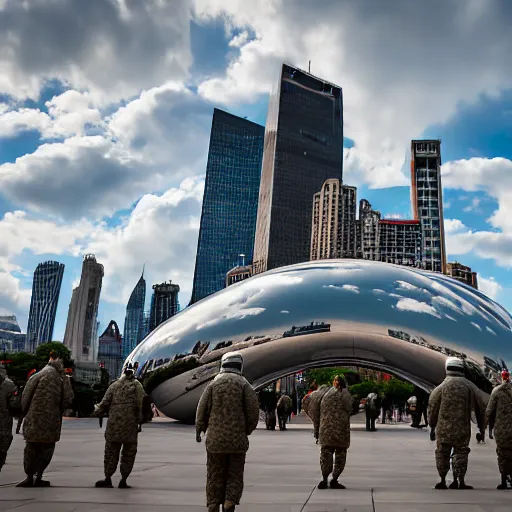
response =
{"points": [[228, 410], [331, 421], [7, 389], [45, 397], [449, 413], [499, 410], [284, 407], [123, 403]]}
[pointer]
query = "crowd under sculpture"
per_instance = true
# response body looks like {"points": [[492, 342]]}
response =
{"points": [[401, 320]]}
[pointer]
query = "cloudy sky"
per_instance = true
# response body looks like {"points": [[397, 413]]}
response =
{"points": [[106, 105]]}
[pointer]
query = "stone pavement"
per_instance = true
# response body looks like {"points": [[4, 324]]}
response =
{"points": [[391, 470]]}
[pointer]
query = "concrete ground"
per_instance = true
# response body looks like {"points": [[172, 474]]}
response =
{"points": [[391, 470]]}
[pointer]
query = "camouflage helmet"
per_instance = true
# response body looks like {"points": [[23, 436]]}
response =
{"points": [[454, 366], [232, 362]]}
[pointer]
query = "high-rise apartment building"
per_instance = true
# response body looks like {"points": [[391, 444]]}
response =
{"points": [[230, 201], [237, 274], [462, 273], [110, 350], [368, 236], [43, 304], [134, 320], [400, 242], [303, 148], [164, 303], [333, 231], [427, 201], [81, 326]]}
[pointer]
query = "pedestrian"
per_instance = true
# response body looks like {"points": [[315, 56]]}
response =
{"points": [[7, 393], [449, 416], [284, 408], [386, 406], [332, 431], [371, 411], [499, 417], [45, 397], [228, 412], [123, 404]]}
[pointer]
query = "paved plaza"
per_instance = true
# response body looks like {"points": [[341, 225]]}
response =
{"points": [[391, 470]]}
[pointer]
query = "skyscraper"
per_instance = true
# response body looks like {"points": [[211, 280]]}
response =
{"points": [[164, 303], [427, 201], [134, 320], [462, 273], [333, 233], [303, 148], [11, 337], [109, 350], [81, 326], [230, 201], [368, 232], [43, 304], [400, 242]]}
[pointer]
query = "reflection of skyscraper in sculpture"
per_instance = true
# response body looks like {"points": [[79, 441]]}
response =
{"points": [[230, 202], [83, 311], [303, 148], [164, 303], [333, 232], [43, 304], [427, 201], [109, 350], [368, 232], [134, 321]]}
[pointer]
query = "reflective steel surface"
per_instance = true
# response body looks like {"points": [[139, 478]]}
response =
{"points": [[398, 319]]}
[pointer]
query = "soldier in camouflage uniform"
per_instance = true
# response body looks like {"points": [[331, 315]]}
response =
{"points": [[449, 416], [123, 403], [284, 408], [7, 390], [45, 397], [331, 421], [499, 416], [228, 411]]}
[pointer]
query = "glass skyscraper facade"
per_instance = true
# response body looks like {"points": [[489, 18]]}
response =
{"points": [[110, 350], [164, 304], [230, 202], [43, 304], [134, 319], [11, 337], [303, 149]]}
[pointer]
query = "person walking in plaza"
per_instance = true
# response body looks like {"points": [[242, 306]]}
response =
{"points": [[284, 409], [7, 392], [45, 397], [499, 417], [228, 412], [371, 410], [449, 416], [332, 431], [123, 404]]}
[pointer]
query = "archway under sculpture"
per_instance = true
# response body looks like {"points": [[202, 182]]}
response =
{"points": [[400, 320]]}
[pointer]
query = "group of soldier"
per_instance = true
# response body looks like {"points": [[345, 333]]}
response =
{"points": [[228, 411]]}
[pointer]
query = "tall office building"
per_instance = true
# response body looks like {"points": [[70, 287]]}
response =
{"points": [[400, 242], [462, 273], [43, 304], [333, 232], [230, 201], [11, 337], [164, 303], [110, 350], [303, 148], [368, 237], [81, 326], [427, 201], [134, 320]]}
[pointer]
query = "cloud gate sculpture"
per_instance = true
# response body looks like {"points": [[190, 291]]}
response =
{"points": [[397, 319]]}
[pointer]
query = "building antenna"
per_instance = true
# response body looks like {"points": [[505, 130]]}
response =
{"points": [[143, 268], [309, 68]]}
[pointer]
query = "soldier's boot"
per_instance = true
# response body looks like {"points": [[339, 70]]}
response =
{"points": [[123, 484], [336, 485], [214, 508], [455, 483], [442, 484], [229, 506], [504, 483], [105, 484], [39, 482], [28, 482], [463, 486], [322, 484]]}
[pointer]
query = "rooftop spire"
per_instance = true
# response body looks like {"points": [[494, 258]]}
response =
{"points": [[143, 268]]}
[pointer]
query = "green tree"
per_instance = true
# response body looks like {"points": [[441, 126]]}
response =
{"points": [[44, 350], [326, 375]]}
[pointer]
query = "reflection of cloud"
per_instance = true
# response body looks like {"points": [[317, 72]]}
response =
{"points": [[490, 330], [380, 300], [474, 324], [237, 315], [443, 301], [416, 306], [349, 287], [406, 286], [378, 290], [450, 318], [396, 296], [285, 312]]}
